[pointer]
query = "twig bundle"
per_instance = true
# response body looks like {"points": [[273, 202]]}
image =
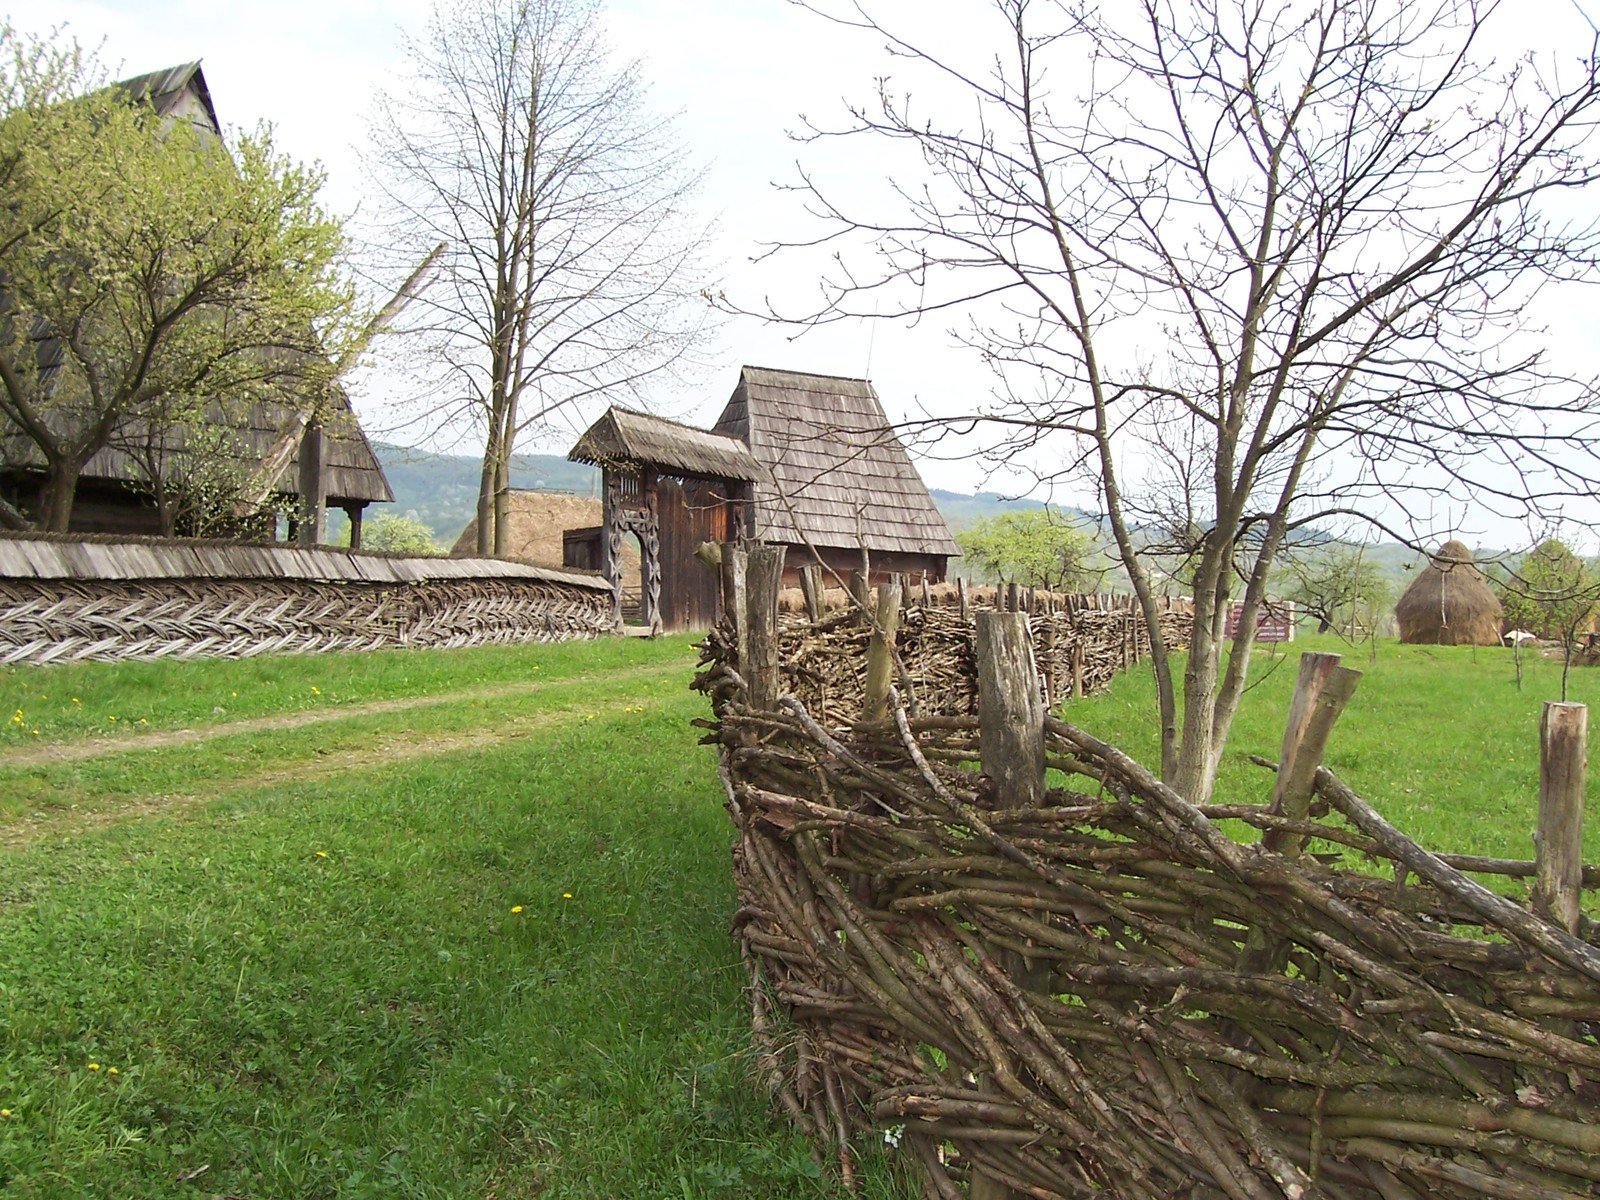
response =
{"points": [[1111, 995]]}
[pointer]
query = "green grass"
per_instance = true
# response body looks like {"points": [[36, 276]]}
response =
{"points": [[297, 948], [1438, 738], [309, 977], [67, 703]]}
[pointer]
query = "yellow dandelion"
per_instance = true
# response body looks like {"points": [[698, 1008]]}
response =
{"points": [[94, 1066], [322, 854], [315, 690], [235, 695], [76, 701], [516, 908], [5, 1112], [566, 895], [111, 718], [16, 717], [112, 1071]]}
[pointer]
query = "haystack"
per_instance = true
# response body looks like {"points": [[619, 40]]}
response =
{"points": [[534, 524], [1450, 603]]}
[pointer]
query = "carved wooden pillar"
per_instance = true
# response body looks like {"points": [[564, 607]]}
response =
{"points": [[611, 540], [650, 552]]}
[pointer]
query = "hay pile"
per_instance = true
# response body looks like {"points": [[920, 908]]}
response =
{"points": [[1450, 603]]}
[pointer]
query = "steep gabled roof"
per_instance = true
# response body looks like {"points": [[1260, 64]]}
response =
{"points": [[623, 437], [175, 91], [839, 475], [351, 471]]}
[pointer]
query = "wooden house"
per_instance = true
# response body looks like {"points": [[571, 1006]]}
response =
{"points": [[329, 463], [804, 461]]}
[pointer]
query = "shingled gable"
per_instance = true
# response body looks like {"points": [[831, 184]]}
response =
{"points": [[623, 437], [839, 476], [351, 471]]}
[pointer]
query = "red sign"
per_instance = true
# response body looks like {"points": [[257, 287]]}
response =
{"points": [[1274, 621]]}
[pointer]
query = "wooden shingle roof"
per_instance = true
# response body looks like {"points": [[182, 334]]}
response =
{"points": [[351, 471], [839, 476], [626, 438]]}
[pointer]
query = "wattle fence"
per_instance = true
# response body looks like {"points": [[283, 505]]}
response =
{"points": [[1000, 944], [106, 599]]}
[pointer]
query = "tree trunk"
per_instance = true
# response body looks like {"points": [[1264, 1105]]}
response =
{"points": [[59, 493], [502, 503], [486, 479]]}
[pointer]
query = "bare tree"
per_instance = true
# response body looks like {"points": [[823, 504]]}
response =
{"points": [[571, 258], [1292, 239]]}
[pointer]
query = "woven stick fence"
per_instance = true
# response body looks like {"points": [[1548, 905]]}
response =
{"points": [[1102, 992], [1078, 652], [51, 621]]}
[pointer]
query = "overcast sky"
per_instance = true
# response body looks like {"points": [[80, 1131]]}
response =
{"points": [[739, 72]]}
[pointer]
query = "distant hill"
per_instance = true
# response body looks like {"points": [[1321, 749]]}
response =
{"points": [[442, 489]]}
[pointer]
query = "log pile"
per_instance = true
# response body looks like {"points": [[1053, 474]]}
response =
{"points": [[1117, 993]]}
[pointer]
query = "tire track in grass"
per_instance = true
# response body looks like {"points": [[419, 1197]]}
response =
{"points": [[100, 747], [391, 749]]}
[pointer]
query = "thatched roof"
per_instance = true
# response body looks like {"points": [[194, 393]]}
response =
{"points": [[839, 475], [1449, 603], [626, 438], [535, 522]]}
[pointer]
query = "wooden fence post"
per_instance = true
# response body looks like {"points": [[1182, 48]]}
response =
{"points": [[1011, 740], [1320, 694], [1558, 839], [763, 578], [880, 653], [963, 601], [811, 586], [732, 571], [1010, 713], [861, 592]]}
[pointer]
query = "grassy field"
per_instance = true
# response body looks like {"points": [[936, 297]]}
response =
{"points": [[433, 924], [1439, 738], [451, 924]]}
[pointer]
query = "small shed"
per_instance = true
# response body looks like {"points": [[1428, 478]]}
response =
{"points": [[806, 461], [1450, 603]]}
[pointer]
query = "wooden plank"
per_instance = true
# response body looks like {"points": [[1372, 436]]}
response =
{"points": [[1558, 838]]}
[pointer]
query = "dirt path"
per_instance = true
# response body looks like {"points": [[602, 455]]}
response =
{"points": [[99, 747], [382, 752]]}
